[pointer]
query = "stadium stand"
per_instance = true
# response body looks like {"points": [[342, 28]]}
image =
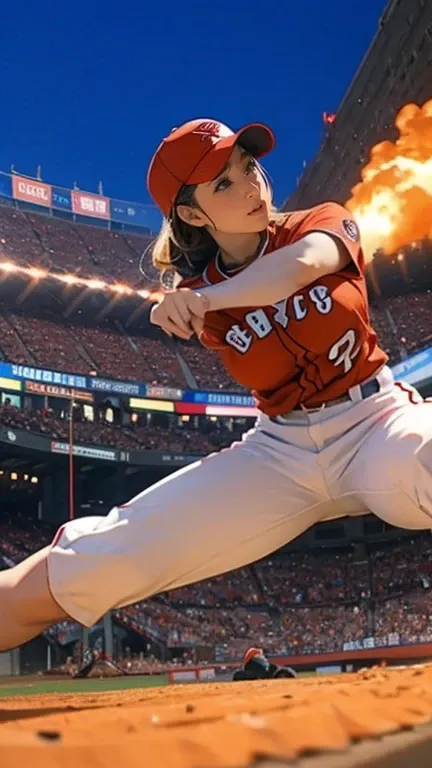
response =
{"points": [[31, 239]]}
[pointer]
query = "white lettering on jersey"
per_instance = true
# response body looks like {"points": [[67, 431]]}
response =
{"points": [[259, 322], [239, 339], [342, 352], [300, 310], [320, 297], [281, 316]]}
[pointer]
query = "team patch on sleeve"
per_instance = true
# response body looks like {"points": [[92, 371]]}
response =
{"points": [[351, 230]]}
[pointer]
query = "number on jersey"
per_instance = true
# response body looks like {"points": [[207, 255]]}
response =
{"points": [[342, 352]]}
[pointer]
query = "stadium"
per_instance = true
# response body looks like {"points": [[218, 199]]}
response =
{"points": [[97, 404]]}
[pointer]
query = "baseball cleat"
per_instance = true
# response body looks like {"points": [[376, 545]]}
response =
{"points": [[88, 662], [255, 666]]}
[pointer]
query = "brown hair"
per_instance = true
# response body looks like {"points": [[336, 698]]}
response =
{"points": [[183, 249]]}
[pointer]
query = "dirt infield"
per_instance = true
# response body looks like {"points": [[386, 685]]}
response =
{"points": [[346, 720]]}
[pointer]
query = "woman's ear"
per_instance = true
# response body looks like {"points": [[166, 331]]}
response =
{"points": [[193, 216]]}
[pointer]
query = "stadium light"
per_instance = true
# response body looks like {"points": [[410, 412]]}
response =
{"points": [[122, 288], [6, 266], [68, 279], [34, 479], [36, 273], [95, 284]]}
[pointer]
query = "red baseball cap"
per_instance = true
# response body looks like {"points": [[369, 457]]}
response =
{"points": [[196, 153]]}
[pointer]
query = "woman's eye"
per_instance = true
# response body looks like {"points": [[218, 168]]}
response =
{"points": [[251, 165], [222, 184]]}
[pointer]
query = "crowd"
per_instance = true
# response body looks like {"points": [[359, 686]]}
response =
{"points": [[385, 595], [404, 620], [298, 579], [403, 323], [31, 239], [107, 350], [100, 432]]}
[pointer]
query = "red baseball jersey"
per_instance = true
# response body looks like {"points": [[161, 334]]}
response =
{"points": [[311, 347]]}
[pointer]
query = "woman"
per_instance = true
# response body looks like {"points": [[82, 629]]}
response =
{"points": [[282, 299]]}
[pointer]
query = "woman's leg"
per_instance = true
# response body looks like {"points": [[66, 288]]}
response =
{"points": [[223, 512], [27, 607]]}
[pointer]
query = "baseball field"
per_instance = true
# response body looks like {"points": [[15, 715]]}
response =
{"points": [[376, 718]]}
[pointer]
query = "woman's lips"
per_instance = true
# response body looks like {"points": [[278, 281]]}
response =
{"points": [[259, 209]]}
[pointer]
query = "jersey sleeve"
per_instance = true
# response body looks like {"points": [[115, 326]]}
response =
{"points": [[334, 220]]}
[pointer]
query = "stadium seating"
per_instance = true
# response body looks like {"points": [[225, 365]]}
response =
{"points": [[30, 239]]}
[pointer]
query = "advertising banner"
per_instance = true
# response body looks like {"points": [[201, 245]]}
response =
{"points": [[415, 369], [130, 213], [231, 410], [6, 383], [84, 450], [53, 390], [87, 204], [219, 398], [61, 198], [31, 190], [151, 405], [117, 387], [164, 393], [42, 374]]}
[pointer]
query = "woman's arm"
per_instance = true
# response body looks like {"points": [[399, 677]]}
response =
{"points": [[280, 274]]}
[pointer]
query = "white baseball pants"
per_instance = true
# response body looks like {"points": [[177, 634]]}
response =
{"points": [[239, 505]]}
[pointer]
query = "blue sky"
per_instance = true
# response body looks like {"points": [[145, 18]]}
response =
{"points": [[89, 89]]}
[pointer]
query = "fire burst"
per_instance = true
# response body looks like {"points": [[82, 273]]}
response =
{"points": [[393, 202]]}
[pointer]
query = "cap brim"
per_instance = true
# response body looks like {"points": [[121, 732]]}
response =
{"points": [[256, 138]]}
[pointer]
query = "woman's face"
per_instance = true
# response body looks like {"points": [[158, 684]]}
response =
{"points": [[237, 201]]}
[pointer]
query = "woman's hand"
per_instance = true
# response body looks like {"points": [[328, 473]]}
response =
{"points": [[180, 312]]}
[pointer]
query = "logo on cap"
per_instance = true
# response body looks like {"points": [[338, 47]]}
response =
{"points": [[210, 129]]}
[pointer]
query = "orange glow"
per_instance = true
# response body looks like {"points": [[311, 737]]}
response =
{"points": [[393, 202], [69, 279], [91, 283], [8, 267], [36, 273], [122, 288], [95, 284]]}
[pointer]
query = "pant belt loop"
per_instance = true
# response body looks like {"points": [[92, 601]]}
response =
{"points": [[355, 393]]}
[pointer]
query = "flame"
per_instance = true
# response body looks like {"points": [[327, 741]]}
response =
{"points": [[393, 202]]}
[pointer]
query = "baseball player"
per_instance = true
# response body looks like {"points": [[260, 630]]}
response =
{"points": [[282, 299]]}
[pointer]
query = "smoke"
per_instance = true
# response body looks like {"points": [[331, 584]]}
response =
{"points": [[393, 202]]}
